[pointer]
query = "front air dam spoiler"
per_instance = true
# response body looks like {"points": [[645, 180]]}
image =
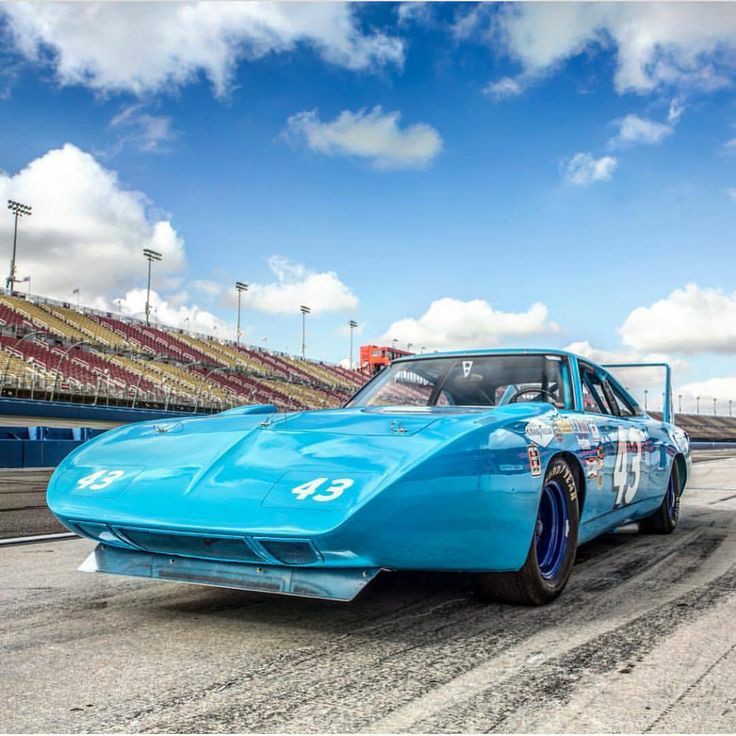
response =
{"points": [[336, 584]]}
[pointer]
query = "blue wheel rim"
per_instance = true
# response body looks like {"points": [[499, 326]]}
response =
{"points": [[552, 530], [671, 498]]}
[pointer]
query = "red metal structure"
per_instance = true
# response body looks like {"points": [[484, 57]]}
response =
{"points": [[374, 358]]}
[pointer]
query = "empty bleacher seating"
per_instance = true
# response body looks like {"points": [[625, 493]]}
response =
{"points": [[84, 352]]}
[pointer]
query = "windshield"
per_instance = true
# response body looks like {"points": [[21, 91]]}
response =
{"points": [[490, 380]]}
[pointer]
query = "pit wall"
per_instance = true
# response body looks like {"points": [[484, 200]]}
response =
{"points": [[45, 447]]}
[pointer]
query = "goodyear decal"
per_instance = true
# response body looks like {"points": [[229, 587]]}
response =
{"points": [[539, 431]]}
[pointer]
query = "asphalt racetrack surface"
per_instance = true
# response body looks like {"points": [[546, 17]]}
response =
{"points": [[643, 639]]}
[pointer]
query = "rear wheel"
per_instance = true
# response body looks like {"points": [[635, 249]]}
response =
{"points": [[552, 552], [664, 520]]}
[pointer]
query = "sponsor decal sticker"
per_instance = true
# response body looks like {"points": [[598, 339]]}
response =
{"points": [[565, 426], [535, 461], [467, 367], [539, 431]]}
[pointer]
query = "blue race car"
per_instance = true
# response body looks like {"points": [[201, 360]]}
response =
{"points": [[496, 462]]}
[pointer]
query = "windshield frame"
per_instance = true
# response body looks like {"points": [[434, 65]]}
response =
{"points": [[568, 378]]}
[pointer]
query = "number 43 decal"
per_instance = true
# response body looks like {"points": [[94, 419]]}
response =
{"points": [[625, 487], [100, 480], [334, 490]]}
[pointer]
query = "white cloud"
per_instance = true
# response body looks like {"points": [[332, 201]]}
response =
{"points": [[633, 130], [140, 129], [414, 12], [722, 389], [583, 169], [675, 112], [636, 379], [598, 355], [149, 47], [296, 285], [372, 135], [87, 231], [690, 320], [731, 191], [207, 288], [689, 46], [173, 313], [505, 87], [451, 323]]}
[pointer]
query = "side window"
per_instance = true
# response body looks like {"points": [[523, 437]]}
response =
{"points": [[626, 408], [594, 395]]}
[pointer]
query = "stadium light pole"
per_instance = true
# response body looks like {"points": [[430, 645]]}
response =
{"points": [[241, 287], [679, 403], [19, 210], [150, 256], [352, 325], [393, 344], [305, 311], [697, 404], [646, 393], [715, 401], [24, 280], [76, 292]]}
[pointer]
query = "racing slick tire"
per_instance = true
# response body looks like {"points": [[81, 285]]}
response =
{"points": [[664, 520], [552, 551]]}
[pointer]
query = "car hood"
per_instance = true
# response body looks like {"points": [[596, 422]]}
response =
{"points": [[232, 470]]}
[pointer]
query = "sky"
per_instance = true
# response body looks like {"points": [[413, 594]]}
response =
{"points": [[448, 176]]}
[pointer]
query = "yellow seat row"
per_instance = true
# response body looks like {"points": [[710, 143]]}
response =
{"points": [[42, 318]]}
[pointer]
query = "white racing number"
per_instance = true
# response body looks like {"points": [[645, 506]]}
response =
{"points": [[625, 486], [100, 480], [334, 490]]}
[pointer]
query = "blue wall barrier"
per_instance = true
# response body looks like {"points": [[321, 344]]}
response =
{"points": [[46, 447], [70, 410], [40, 447]]}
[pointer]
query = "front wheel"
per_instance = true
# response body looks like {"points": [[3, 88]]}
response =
{"points": [[665, 519], [552, 552]]}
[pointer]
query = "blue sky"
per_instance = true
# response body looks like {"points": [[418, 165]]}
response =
{"points": [[390, 158]]}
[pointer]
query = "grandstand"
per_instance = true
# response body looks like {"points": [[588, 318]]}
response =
{"points": [[53, 350]]}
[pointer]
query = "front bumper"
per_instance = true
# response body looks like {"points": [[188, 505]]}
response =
{"points": [[338, 584]]}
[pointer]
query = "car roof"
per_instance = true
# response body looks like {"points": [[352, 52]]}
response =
{"points": [[494, 351]]}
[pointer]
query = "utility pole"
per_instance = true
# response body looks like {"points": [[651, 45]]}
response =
{"points": [[697, 403], [305, 311], [715, 400], [19, 210], [679, 403], [150, 255], [352, 325], [241, 287]]}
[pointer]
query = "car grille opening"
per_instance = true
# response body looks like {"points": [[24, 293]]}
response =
{"points": [[290, 552], [191, 545]]}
